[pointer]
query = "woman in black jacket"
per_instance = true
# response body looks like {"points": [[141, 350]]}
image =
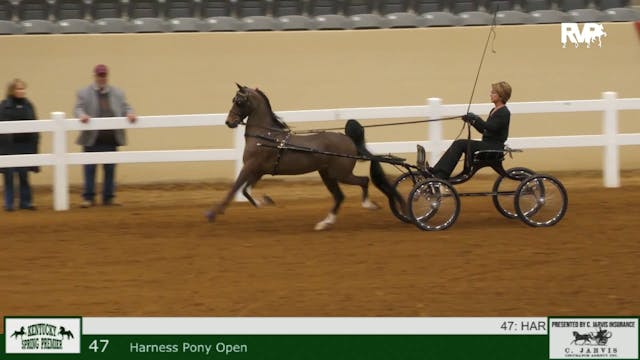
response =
{"points": [[17, 107], [494, 130]]}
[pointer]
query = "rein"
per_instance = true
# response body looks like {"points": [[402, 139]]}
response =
{"points": [[316, 131], [384, 124]]}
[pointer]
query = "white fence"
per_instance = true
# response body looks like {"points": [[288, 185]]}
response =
{"points": [[610, 139]]}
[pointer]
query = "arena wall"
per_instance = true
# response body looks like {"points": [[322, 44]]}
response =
{"points": [[191, 73]]}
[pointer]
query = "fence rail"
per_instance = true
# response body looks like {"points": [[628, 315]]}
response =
{"points": [[60, 158]]}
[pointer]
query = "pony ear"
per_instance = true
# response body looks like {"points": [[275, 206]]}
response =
{"points": [[240, 87]]}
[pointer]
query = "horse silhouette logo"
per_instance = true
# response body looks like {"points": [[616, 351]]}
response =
{"points": [[601, 337], [18, 333], [42, 335], [591, 32], [596, 33], [64, 332], [581, 337]]}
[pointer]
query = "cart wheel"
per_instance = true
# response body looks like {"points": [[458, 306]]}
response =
{"points": [[541, 200], [434, 204], [504, 190], [403, 185]]}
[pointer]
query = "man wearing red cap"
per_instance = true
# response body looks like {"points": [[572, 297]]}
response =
{"points": [[101, 100]]}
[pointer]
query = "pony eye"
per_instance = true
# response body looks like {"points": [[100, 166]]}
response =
{"points": [[239, 100]]}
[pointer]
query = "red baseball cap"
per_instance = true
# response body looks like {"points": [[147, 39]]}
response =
{"points": [[100, 69]]}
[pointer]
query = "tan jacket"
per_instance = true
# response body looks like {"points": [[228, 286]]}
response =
{"points": [[87, 104]]}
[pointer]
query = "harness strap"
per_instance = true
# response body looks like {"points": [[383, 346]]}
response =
{"points": [[282, 144]]}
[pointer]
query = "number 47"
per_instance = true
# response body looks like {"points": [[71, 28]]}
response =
{"points": [[95, 347]]}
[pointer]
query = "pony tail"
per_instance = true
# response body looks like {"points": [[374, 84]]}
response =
{"points": [[355, 131]]}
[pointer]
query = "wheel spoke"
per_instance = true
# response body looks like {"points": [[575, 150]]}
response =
{"points": [[541, 200], [434, 204], [403, 185], [504, 190]]}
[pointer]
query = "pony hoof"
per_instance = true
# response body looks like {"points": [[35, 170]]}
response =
{"points": [[327, 222], [210, 215], [322, 226], [370, 205], [267, 200]]}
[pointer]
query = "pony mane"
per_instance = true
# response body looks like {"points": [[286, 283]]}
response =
{"points": [[276, 119]]}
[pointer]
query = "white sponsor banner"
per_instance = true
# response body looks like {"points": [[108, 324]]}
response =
{"points": [[593, 338], [314, 326], [42, 335]]}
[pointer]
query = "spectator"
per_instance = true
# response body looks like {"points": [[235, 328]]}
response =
{"points": [[16, 106], [101, 100]]}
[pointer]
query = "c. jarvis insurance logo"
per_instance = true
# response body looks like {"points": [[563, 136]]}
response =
{"points": [[42, 335], [573, 338]]}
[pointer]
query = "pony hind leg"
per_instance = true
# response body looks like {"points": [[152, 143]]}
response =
{"points": [[338, 197], [363, 182]]}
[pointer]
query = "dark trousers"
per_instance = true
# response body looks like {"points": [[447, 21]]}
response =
{"points": [[449, 160], [25, 187], [108, 185]]}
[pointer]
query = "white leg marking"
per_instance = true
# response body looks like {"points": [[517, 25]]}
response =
{"points": [[368, 204], [327, 222]]}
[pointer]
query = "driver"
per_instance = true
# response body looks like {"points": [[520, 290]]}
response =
{"points": [[494, 130]]}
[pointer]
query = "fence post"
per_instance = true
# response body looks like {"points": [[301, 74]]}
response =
{"points": [[610, 130], [60, 173], [435, 129], [238, 144]]}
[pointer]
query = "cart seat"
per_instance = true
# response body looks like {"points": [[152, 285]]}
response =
{"points": [[481, 159], [493, 155]]}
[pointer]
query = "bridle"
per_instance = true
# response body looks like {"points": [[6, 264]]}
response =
{"points": [[240, 101]]}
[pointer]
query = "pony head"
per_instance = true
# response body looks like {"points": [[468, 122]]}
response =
{"points": [[248, 101], [241, 107]]}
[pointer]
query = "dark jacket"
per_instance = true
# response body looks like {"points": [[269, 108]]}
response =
{"points": [[496, 129], [15, 109]]}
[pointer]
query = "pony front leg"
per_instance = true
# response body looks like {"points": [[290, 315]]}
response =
{"points": [[258, 203], [242, 179]]}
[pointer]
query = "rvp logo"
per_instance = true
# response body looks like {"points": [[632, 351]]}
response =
{"points": [[589, 34]]}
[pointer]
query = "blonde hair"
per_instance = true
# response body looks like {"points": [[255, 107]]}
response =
{"points": [[503, 89], [13, 84]]}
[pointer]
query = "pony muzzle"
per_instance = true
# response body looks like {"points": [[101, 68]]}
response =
{"points": [[233, 122]]}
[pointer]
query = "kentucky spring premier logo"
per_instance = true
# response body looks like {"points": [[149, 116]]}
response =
{"points": [[42, 335]]}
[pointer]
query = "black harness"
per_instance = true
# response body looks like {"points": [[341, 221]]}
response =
{"points": [[280, 145]]}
